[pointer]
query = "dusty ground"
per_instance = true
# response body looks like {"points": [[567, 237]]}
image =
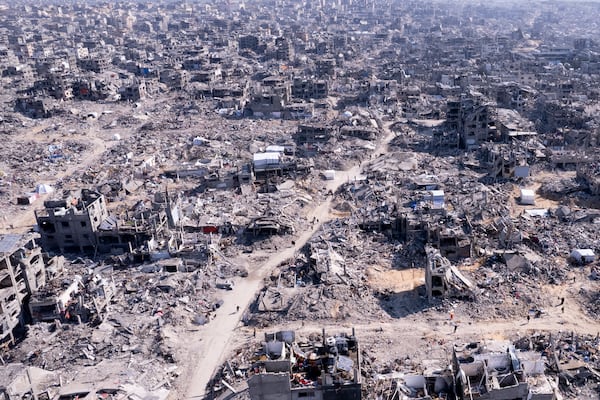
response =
{"points": [[404, 322], [211, 343], [90, 133]]}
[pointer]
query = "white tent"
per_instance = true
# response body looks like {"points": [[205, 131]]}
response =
{"points": [[329, 174], [43, 188], [527, 197], [583, 255]]}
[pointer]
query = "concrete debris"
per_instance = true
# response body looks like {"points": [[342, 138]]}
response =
{"points": [[536, 366], [175, 175], [283, 367]]}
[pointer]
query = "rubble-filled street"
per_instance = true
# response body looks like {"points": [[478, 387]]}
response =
{"points": [[267, 199]]}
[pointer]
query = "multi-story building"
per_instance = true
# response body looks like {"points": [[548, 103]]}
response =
{"points": [[70, 224], [322, 371], [309, 89], [22, 272], [80, 223]]}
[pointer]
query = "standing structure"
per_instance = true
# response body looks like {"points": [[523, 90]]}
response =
{"points": [[22, 272], [322, 371], [70, 224]]}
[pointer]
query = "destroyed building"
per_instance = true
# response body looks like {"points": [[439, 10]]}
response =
{"points": [[307, 89], [34, 107], [495, 370], [472, 120], [590, 176], [22, 274], [291, 370], [80, 223], [74, 298], [442, 279], [71, 224], [19, 381], [382, 98]]}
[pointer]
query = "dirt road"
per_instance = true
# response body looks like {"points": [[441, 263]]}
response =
{"points": [[431, 335], [212, 341], [92, 134], [23, 221]]}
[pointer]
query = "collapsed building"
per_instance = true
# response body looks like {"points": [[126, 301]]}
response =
{"points": [[590, 176], [327, 370], [73, 298], [22, 275], [80, 223], [442, 278], [282, 367], [437, 222], [496, 371], [492, 370], [427, 221], [19, 381]]}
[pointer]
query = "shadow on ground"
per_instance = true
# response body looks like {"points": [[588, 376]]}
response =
{"points": [[403, 304]]}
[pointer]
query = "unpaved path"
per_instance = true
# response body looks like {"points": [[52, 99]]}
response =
{"points": [[212, 342], [23, 221], [93, 134]]}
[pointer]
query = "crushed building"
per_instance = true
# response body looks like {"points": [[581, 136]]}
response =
{"points": [[327, 370], [22, 274], [496, 371]]}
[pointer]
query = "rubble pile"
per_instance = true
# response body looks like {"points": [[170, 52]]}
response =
{"points": [[370, 162], [328, 279], [132, 319], [317, 363], [569, 359], [574, 359]]}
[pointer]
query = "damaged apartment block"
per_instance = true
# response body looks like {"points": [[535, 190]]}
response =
{"points": [[22, 274], [472, 120], [327, 370], [71, 224], [496, 371], [81, 223]]}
